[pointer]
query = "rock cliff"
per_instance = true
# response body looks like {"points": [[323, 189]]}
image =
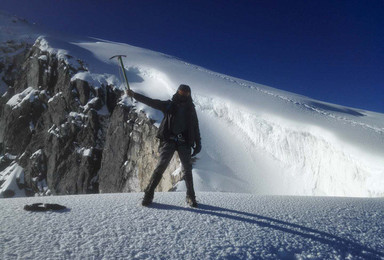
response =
{"points": [[75, 135]]}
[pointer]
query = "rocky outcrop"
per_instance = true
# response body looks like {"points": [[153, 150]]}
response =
{"points": [[129, 152], [54, 128]]}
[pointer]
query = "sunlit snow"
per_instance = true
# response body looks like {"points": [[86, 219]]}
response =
{"points": [[225, 226], [255, 138]]}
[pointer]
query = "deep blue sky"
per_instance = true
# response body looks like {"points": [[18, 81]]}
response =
{"points": [[331, 50]]}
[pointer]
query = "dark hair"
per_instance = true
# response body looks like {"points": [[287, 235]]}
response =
{"points": [[185, 88]]}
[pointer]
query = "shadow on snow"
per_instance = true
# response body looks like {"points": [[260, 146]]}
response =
{"points": [[337, 109], [344, 246]]}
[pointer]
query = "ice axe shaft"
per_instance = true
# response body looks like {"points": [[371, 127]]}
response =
{"points": [[123, 69]]}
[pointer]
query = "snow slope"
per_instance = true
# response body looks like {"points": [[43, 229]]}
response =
{"points": [[255, 138], [263, 140], [225, 226]]}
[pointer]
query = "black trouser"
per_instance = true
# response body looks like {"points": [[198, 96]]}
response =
{"points": [[167, 149]]}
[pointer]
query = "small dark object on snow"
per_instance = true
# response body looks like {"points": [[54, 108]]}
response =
{"points": [[43, 207], [8, 193]]}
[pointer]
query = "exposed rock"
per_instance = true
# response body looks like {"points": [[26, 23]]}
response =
{"points": [[12, 56], [20, 115], [56, 130], [83, 90], [5, 161], [130, 154]]}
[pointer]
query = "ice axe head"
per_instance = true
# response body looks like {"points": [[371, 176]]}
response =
{"points": [[123, 69], [117, 56]]}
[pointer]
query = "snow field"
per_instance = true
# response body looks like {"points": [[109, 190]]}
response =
{"points": [[225, 226]]}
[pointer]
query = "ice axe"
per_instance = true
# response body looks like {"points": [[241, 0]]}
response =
{"points": [[123, 69]]}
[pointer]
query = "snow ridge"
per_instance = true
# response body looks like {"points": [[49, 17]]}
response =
{"points": [[264, 90]]}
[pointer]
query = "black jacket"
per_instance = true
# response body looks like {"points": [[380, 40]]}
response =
{"points": [[164, 132]]}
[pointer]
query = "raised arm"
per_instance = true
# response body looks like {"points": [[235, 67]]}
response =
{"points": [[154, 103]]}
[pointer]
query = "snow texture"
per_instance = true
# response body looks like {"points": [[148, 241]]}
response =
{"points": [[258, 139], [225, 226], [28, 95], [13, 28], [9, 178]]}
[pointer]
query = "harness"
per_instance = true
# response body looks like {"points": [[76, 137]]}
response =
{"points": [[178, 138]]}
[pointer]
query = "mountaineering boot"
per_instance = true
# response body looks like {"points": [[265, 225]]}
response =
{"points": [[147, 199], [192, 202]]}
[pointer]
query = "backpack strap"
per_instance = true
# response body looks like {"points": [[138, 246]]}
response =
{"points": [[168, 107]]}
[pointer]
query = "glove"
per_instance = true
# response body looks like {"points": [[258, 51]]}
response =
{"points": [[196, 149], [129, 92]]}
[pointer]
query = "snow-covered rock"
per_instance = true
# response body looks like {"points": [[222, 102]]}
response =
{"points": [[255, 138], [51, 108], [12, 181]]}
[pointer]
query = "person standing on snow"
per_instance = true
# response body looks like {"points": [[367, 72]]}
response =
{"points": [[178, 131]]}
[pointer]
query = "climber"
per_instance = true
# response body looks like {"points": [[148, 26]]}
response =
{"points": [[178, 131]]}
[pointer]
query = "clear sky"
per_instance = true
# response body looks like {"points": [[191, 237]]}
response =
{"points": [[331, 50]]}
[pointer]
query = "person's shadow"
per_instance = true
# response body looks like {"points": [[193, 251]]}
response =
{"points": [[344, 246]]}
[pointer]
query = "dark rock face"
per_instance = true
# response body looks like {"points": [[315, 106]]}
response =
{"points": [[47, 119], [22, 117], [130, 154]]}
